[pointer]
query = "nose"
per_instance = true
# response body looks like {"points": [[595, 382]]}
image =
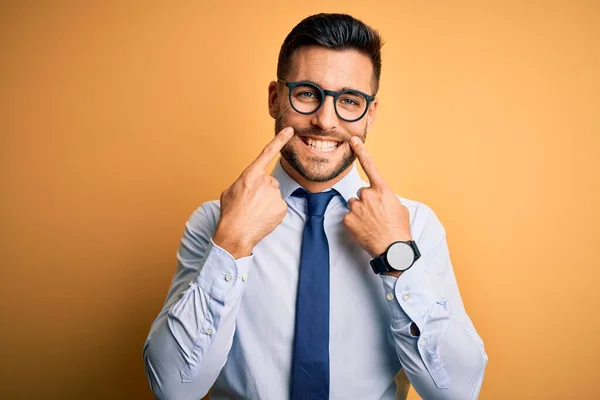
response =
{"points": [[325, 117]]}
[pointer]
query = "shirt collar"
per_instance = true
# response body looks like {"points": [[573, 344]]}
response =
{"points": [[347, 186]]}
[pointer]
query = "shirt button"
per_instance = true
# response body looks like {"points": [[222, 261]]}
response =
{"points": [[422, 342], [390, 296], [209, 331], [245, 277], [228, 277], [406, 296]]}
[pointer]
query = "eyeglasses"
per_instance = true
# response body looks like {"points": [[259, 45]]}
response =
{"points": [[307, 97]]}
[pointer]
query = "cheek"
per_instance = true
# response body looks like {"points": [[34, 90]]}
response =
{"points": [[289, 117], [359, 131], [285, 110]]}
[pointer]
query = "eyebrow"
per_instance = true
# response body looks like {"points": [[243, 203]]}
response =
{"points": [[341, 90]]}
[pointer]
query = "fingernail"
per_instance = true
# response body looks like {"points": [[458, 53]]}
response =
{"points": [[354, 140], [288, 131]]}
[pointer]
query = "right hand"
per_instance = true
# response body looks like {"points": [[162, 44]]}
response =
{"points": [[252, 207]]}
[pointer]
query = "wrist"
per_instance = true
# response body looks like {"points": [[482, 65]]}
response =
{"points": [[231, 243], [396, 259], [235, 249]]}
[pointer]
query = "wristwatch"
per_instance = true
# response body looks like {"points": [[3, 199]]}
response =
{"points": [[398, 257]]}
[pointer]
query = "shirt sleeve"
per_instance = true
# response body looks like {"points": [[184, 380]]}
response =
{"points": [[190, 339], [447, 359]]}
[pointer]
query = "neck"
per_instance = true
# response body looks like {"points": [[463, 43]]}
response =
{"points": [[312, 186]]}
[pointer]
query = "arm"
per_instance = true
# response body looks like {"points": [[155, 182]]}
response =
{"points": [[190, 339], [436, 342], [434, 338]]}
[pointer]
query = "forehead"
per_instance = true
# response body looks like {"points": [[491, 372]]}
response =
{"points": [[332, 69]]}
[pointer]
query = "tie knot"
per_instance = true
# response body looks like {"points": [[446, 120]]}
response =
{"points": [[316, 202]]}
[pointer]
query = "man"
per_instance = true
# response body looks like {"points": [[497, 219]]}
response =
{"points": [[310, 283]]}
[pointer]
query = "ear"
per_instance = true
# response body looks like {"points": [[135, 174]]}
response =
{"points": [[273, 100], [371, 113]]}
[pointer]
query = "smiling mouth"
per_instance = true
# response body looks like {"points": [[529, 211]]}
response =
{"points": [[320, 146]]}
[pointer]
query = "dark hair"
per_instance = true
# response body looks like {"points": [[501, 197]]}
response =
{"points": [[336, 32]]}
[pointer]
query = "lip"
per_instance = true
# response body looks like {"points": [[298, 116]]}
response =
{"points": [[330, 139]]}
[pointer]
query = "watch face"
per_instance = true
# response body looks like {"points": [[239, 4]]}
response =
{"points": [[400, 256]]}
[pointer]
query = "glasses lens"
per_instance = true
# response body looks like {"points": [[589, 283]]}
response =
{"points": [[351, 105], [305, 98]]}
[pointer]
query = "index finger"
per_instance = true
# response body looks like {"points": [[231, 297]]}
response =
{"points": [[271, 150], [366, 161]]}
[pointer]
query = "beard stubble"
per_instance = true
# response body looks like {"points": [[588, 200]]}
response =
{"points": [[291, 156]]}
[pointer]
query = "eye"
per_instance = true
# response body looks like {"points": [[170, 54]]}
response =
{"points": [[306, 94], [349, 102]]}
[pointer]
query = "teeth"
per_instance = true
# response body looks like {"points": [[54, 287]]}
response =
{"points": [[321, 145]]}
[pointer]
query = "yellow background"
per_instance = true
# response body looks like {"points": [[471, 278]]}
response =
{"points": [[118, 119]]}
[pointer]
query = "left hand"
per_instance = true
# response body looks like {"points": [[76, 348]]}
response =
{"points": [[377, 218]]}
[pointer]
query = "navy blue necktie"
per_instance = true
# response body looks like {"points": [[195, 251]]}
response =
{"points": [[310, 365]]}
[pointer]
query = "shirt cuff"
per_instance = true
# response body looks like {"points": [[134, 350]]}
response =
{"points": [[222, 275], [411, 296]]}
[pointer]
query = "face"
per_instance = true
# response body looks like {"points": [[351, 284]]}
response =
{"points": [[320, 149]]}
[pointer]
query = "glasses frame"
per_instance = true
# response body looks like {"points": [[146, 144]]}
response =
{"points": [[334, 94]]}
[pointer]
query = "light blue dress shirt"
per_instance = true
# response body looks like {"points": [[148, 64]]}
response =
{"points": [[229, 324]]}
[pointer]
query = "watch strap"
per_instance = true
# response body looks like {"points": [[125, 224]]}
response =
{"points": [[413, 244], [378, 264]]}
